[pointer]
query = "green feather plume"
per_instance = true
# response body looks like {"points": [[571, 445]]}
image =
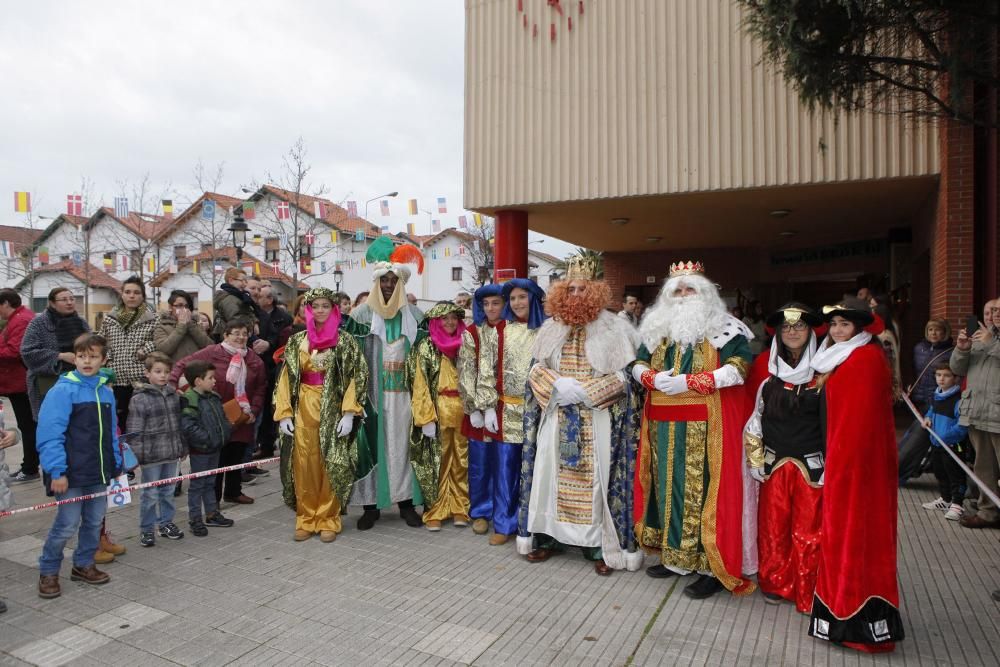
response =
{"points": [[380, 250]]}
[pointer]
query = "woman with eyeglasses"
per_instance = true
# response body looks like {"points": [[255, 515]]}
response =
{"points": [[47, 347], [785, 450], [179, 331]]}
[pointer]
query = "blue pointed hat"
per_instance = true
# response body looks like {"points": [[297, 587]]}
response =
{"points": [[536, 311]]}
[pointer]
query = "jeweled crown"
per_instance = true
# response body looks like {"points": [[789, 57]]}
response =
{"points": [[688, 268], [581, 268]]}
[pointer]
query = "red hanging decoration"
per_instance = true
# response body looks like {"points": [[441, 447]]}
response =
{"points": [[569, 21], [552, 32], [534, 30], [525, 21], [520, 5], [581, 7], [555, 4]]}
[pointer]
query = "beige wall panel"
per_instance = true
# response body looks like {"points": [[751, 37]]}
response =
{"points": [[650, 97]]}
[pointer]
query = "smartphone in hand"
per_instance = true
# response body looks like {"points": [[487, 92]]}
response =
{"points": [[971, 325]]}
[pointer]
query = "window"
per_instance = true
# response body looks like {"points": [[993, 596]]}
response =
{"points": [[305, 249], [272, 249], [207, 247], [456, 273], [63, 258], [180, 251]]}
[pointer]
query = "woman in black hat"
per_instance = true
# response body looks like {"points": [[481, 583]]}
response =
{"points": [[857, 598], [785, 449]]}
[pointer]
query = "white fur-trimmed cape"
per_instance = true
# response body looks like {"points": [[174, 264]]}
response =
{"points": [[610, 345]]}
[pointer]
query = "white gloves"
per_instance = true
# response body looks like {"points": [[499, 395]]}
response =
{"points": [[569, 391], [637, 372], [286, 426], [490, 420], [476, 419], [820, 482], [757, 474], [669, 383], [346, 424], [429, 429]]}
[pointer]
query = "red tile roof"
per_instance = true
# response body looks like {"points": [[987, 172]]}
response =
{"points": [[146, 225], [223, 201], [228, 255], [336, 215], [97, 277], [20, 237]]}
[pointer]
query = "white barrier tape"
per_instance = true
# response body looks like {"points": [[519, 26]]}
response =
{"points": [[982, 485], [136, 487]]}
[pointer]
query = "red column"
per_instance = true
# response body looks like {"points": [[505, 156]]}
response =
{"points": [[511, 246]]}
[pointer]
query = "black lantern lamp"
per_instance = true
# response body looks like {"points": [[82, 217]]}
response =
{"points": [[239, 229], [338, 277]]}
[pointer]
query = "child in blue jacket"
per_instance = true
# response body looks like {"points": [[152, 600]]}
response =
{"points": [[942, 417], [78, 449]]}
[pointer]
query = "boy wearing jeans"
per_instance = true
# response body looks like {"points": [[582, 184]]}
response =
{"points": [[154, 420], [78, 449], [206, 430]]}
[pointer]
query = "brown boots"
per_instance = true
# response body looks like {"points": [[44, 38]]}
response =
{"points": [[48, 586], [107, 550], [89, 575]]}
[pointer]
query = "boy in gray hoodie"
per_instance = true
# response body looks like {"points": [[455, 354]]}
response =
{"points": [[154, 425]]}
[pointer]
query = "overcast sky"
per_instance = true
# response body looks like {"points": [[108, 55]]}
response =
{"points": [[110, 91]]}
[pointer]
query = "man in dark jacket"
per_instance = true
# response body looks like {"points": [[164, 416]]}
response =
{"points": [[13, 382], [273, 321]]}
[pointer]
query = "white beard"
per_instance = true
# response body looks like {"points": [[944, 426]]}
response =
{"points": [[684, 320]]}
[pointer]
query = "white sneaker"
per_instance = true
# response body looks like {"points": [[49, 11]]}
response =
{"points": [[954, 513], [938, 504]]}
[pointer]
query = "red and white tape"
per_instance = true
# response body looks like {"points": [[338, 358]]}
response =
{"points": [[136, 487]]}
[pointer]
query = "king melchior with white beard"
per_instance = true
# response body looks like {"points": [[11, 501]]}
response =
{"points": [[690, 476]]}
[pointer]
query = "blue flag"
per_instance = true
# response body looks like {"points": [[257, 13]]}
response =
{"points": [[208, 210]]}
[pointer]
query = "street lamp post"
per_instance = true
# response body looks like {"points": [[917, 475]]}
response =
{"points": [[239, 229], [388, 194], [338, 277]]}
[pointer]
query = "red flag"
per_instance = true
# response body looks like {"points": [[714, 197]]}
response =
{"points": [[319, 208], [352, 209], [284, 212], [74, 204]]}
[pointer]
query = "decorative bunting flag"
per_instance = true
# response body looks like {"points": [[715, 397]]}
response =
{"points": [[462, 222], [172, 267], [352, 209], [434, 253], [109, 263], [168, 208], [442, 205], [359, 235], [7, 248], [385, 229], [208, 210], [124, 262], [319, 210], [363, 263], [333, 236], [256, 268], [304, 266], [74, 204], [257, 239], [121, 207], [447, 251], [194, 266], [478, 219], [22, 202], [275, 265], [384, 205], [218, 267], [410, 228], [249, 210], [310, 238], [151, 262], [43, 255], [284, 212], [77, 258], [461, 250], [435, 226], [412, 206]]}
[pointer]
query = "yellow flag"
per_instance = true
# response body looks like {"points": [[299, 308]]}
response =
{"points": [[412, 204], [22, 202]]}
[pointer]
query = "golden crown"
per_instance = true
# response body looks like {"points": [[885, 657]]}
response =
{"points": [[581, 268], [688, 268]]}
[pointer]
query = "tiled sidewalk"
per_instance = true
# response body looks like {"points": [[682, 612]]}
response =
{"points": [[249, 595]]}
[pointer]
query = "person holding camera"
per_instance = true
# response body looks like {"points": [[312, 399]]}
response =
{"points": [[977, 357], [177, 333]]}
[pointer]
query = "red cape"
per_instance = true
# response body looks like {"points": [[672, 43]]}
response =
{"points": [[858, 544]]}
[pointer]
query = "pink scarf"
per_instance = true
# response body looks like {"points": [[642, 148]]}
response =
{"points": [[447, 343], [236, 373], [327, 334]]}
